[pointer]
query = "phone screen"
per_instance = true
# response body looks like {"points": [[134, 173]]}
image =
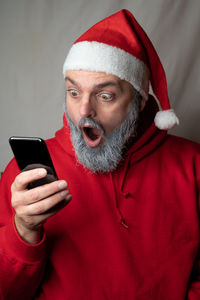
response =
{"points": [[31, 150]]}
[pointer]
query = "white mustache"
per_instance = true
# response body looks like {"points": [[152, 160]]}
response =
{"points": [[91, 122]]}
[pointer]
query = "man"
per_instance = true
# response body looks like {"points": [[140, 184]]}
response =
{"points": [[131, 229]]}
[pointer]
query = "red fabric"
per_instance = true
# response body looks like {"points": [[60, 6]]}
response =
{"points": [[130, 234], [117, 32], [121, 30]]}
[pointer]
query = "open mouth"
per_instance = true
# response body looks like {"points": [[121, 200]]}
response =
{"points": [[92, 135]]}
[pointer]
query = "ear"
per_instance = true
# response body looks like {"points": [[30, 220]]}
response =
{"points": [[142, 103]]}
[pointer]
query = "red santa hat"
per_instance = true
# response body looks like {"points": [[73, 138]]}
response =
{"points": [[119, 46]]}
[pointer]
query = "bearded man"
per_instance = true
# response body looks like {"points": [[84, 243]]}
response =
{"points": [[131, 229]]}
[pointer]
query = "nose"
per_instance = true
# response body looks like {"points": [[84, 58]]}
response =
{"points": [[87, 107]]}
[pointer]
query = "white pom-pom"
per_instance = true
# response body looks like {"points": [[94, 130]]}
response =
{"points": [[166, 119]]}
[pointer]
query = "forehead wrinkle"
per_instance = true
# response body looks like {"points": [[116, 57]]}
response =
{"points": [[99, 85]]}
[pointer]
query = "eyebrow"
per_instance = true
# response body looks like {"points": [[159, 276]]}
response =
{"points": [[71, 80], [100, 85]]}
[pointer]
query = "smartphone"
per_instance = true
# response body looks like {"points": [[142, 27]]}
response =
{"points": [[31, 151]]}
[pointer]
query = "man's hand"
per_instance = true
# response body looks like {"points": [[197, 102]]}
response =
{"points": [[34, 206]]}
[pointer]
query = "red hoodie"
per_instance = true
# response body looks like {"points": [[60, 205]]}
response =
{"points": [[132, 234]]}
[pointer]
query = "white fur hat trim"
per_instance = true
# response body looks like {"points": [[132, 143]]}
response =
{"points": [[100, 57]]}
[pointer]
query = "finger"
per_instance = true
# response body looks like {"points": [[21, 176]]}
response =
{"points": [[26, 177], [35, 221], [51, 203], [44, 191]]}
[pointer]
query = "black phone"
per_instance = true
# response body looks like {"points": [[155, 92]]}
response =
{"points": [[32, 152]]}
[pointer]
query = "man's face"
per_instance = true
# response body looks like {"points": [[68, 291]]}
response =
{"points": [[99, 96], [102, 112]]}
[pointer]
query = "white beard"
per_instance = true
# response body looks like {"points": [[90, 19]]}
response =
{"points": [[107, 156]]}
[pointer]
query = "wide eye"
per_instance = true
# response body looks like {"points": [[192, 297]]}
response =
{"points": [[105, 96], [73, 93]]}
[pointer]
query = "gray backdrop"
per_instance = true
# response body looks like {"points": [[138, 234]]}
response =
{"points": [[35, 36]]}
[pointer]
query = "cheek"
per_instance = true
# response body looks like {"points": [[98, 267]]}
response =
{"points": [[114, 118], [72, 112]]}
